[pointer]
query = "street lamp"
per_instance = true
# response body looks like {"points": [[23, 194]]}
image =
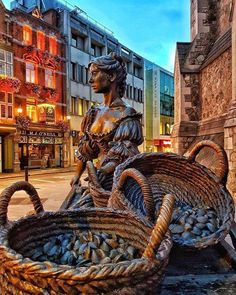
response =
{"points": [[23, 123]]}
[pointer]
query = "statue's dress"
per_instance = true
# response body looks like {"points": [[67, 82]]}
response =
{"points": [[119, 137]]}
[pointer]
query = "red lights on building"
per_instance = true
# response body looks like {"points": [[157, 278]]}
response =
{"points": [[162, 142]]}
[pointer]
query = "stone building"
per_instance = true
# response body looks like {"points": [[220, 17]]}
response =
{"points": [[205, 83]]}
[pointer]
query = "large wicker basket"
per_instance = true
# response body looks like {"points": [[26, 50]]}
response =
{"points": [[21, 275], [141, 181]]}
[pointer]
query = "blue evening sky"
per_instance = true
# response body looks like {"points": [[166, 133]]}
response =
{"points": [[150, 28]]}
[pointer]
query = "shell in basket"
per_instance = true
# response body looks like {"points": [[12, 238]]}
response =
{"points": [[21, 239], [204, 209]]}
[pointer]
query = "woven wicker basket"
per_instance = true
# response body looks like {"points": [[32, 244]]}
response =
{"points": [[141, 181], [21, 275]]}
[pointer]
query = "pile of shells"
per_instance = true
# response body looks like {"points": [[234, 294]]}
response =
{"points": [[85, 249], [192, 224]]}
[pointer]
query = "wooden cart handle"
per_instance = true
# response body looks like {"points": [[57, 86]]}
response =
{"points": [[145, 187], [7, 193], [223, 162], [161, 226]]}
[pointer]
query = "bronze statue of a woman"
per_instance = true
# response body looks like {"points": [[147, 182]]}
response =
{"points": [[111, 131]]}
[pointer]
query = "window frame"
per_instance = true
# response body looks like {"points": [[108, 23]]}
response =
{"points": [[51, 78], [30, 80], [53, 45], [41, 40], [27, 35], [6, 104], [6, 63]]}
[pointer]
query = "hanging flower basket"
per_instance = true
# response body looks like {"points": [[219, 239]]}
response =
{"points": [[9, 84], [32, 89], [51, 95]]}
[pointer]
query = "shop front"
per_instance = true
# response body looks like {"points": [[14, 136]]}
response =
{"points": [[162, 145], [45, 149]]}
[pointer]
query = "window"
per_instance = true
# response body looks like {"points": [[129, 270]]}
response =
{"points": [[73, 40], [86, 76], [6, 105], [80, 42], [31, 112], [92, 49], [49, 78], [73, 71], [53, 45], [27, 35], [41, 40], [80, 107], [80, 73], [6, 63], [30, 73], [131, 91]]}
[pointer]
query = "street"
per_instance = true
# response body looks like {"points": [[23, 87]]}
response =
{"points": [[52, 190]]}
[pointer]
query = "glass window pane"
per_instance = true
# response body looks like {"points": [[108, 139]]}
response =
{"points": [[2, 68], [2, 96], [80, 106], [9, 110], [9, 98], [3, 110], [2, 54], [9, 70], [9, 57]]}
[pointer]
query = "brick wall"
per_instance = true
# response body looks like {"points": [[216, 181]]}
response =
{"points": [[224, 10], [216, 86]]}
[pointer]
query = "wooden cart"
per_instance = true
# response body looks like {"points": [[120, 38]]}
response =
{"points": [[207, 271]]}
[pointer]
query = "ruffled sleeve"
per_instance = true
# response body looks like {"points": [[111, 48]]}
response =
{"points": [[87, 148], [126, 140]]}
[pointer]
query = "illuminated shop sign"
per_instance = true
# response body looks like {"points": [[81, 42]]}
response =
{"points": [[42, 133]]}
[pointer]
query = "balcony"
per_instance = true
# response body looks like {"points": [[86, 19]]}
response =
{"points": [[9, 84]]}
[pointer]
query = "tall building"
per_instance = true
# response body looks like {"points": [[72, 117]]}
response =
{"points": [[159, 108], [34, 51], [205, 83], [87, 39]]}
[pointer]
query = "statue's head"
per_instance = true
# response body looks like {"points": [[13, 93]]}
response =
{"points": [[113, 68]]}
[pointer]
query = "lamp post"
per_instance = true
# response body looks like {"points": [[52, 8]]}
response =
{"points": [[23, 123]]}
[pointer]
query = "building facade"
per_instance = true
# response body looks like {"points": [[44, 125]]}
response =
{"points": [[9, 85], [86, 40], [205, 87], [41, 136], [159, 108]]}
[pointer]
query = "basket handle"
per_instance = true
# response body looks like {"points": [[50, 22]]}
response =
{"points": [[161, 226], [7, 193], [223, 162], [145, 187]]}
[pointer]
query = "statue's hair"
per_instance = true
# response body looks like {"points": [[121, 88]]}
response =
{"points": [[113, 63]]}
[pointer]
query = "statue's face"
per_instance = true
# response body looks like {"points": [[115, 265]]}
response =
{"points": [[99, 80]]}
